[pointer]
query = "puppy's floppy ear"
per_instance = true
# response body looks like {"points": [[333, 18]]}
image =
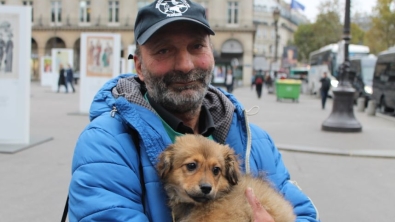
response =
{"points": [[165, 162], [232, 169]]}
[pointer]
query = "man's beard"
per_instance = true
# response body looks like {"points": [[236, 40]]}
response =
{"points": [[180, 98]]}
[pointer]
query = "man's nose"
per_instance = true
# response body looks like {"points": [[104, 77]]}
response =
{"points": [[184, 61]]}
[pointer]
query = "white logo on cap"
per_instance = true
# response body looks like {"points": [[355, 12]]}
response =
{"points": [[172, 8]]}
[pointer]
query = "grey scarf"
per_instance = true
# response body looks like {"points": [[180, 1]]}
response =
{"points": [[220, 107]]}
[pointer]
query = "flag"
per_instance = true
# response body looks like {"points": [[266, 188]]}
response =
{"points": [[296, 5]]}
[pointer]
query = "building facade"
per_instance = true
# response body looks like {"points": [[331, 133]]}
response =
{"points": [[268, 56], [243, 29]]}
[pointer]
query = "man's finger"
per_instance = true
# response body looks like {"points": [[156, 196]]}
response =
{"points": [[259, 212], [252, 200]]}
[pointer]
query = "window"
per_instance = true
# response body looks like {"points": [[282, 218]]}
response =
{"points": [[380, 71], [142, 3], [391, 72], [85, 11], [113, 15], [233, 12], [27, 3], [56, 12]]}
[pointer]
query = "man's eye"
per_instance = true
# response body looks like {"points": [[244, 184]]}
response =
{"points": [[163, 51], [191, 166], [198, 46]]}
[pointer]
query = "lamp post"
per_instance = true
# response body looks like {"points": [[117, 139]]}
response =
{"points": [[276, 17], [342, 118]]}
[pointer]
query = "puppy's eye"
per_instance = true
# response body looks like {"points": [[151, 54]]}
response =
{"points": [[216, 170], [191, 166]]}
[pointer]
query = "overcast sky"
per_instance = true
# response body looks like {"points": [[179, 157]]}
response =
{"points": [[311, 10]]}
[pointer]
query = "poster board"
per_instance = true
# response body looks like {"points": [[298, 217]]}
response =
{"points": [[60, 57], [15, 37], [46, 70], [100, 62]]}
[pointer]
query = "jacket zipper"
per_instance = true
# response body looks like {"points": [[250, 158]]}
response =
{"points": [[113, 111]]}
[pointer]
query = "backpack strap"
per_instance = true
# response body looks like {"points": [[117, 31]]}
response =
{"points": [[66, 209]]}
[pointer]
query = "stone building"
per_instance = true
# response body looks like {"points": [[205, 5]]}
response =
{"points": [[268, 56], [59, 24]]}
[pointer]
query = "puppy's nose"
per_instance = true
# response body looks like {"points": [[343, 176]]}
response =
{"points": [[205, 188]]}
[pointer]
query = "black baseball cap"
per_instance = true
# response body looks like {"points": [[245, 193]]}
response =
{"points": [[162, 12]]}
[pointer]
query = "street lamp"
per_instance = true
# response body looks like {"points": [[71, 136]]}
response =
{"points": [[342, 118], [276, 17]]}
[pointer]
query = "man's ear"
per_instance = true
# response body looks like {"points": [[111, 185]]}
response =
{"points": [[137, 65]]}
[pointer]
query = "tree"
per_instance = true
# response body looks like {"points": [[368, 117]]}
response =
{"points": [[326, 30], [381, 34], [303, 40], [357, 34], [328, 27]]}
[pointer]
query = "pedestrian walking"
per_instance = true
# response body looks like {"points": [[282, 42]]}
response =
{"points": [[229, 81], [269, 83], [70, 77], [62, 78], [325, 86], [135, 117], [259, 79]]}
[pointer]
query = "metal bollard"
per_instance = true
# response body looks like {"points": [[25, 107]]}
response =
{"points": [[361, 104], [371, 110]]}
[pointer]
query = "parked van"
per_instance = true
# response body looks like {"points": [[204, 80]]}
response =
{"points": [[363, 69], [384, 80]]}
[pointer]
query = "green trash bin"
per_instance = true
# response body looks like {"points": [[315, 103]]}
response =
{"points": [[288, 89]]}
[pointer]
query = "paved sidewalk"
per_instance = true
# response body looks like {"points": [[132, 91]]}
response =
{"points": [[34, 182], [297, 126]]}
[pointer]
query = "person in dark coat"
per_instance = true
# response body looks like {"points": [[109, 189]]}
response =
{"points": [[325, 86], [62, 78], [259, 79], [70, 77]]}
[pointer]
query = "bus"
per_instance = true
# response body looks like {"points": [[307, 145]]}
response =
{"points": [[327, 59], [363, 69], [384, 81], [298, 73]]}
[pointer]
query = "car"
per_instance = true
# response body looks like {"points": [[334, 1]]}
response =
{"points": [[384, 81], [362, 70]]}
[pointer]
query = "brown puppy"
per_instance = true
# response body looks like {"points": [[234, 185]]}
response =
{"points": [[204, 183]]}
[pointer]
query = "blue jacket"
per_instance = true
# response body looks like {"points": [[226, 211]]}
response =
{"points": [[106, 180]]}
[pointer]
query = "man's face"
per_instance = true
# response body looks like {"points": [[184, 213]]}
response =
{"points": [[176, 65]]}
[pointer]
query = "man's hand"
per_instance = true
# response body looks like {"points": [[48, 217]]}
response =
{"points": [[259, 213]]}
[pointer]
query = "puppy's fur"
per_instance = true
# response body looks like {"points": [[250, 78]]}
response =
{"points": [[204, 183]]}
